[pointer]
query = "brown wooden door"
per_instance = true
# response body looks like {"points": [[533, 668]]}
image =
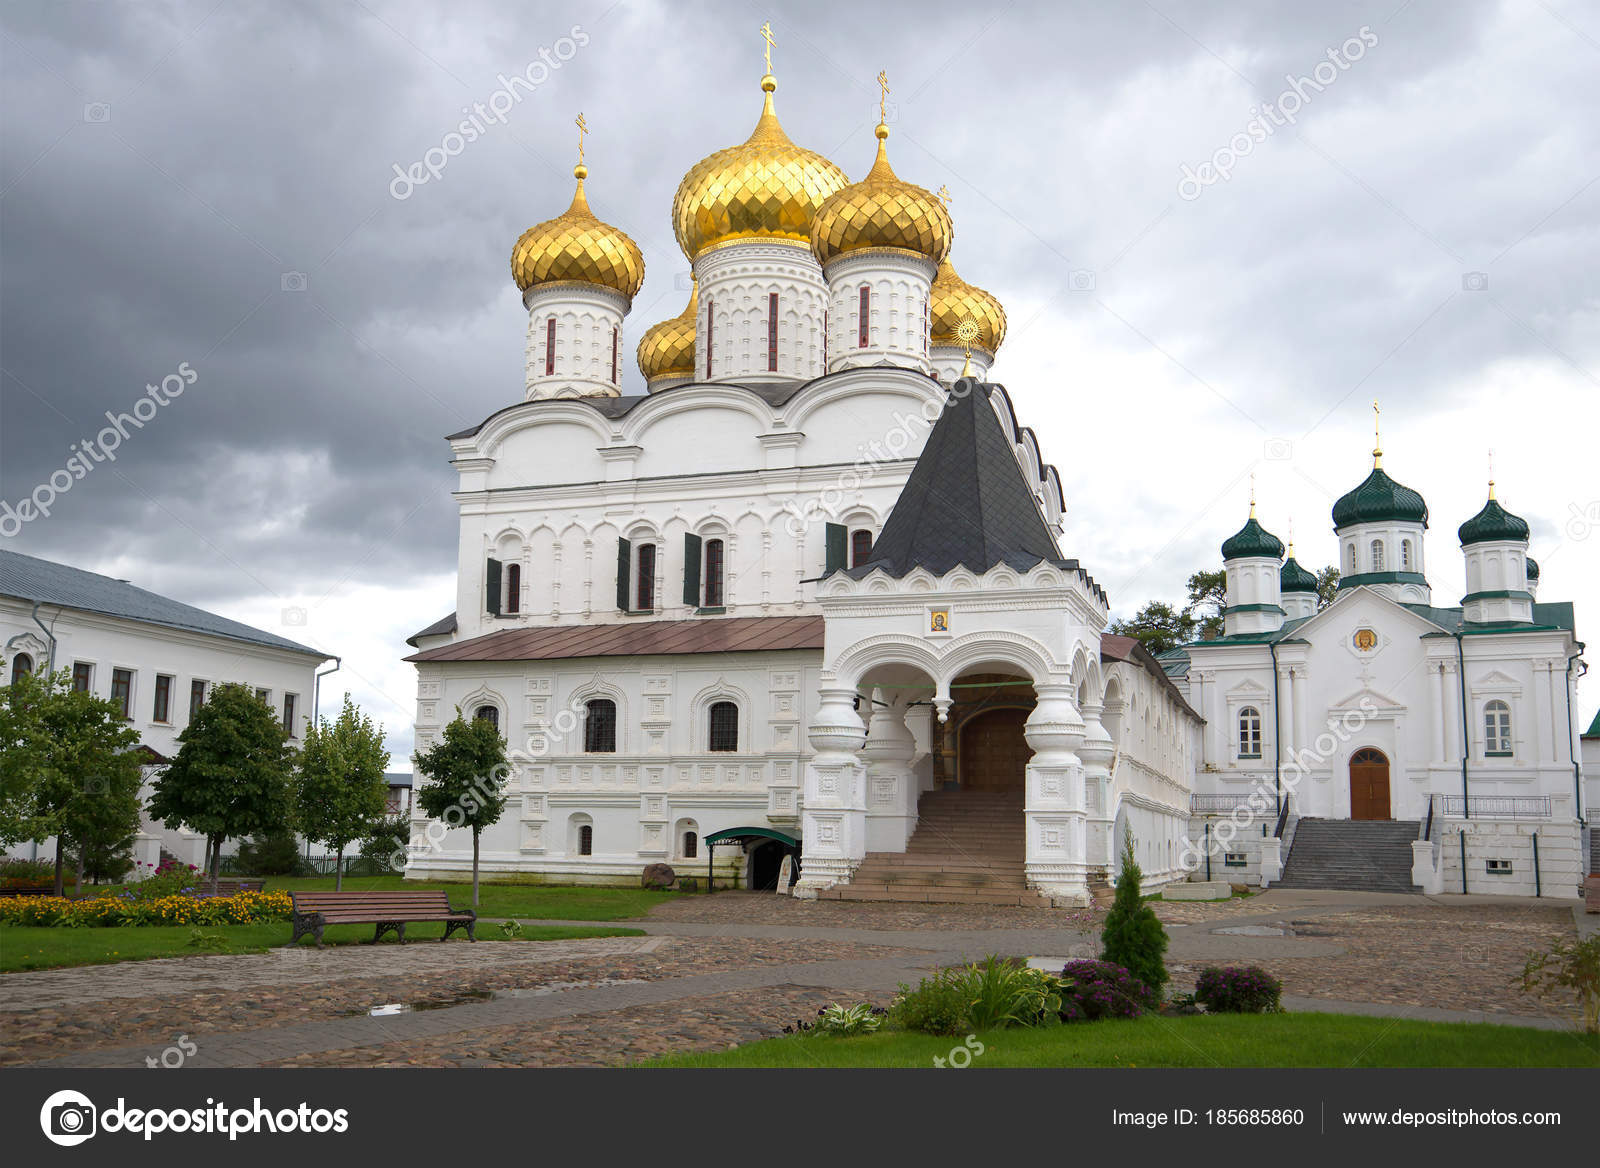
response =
{"points": [[1369, 785], [994, 753]]}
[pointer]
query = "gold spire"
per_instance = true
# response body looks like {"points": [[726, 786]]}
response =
{"points": [[766, 35], [1377, 436], [1491, 474], [1252, 495], [1291, 537], [577, 247], [967, 332]]}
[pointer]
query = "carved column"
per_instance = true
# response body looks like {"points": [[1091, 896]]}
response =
{"points": [[1056, 862], [1097, 750], [835, 809], [891, 789]]}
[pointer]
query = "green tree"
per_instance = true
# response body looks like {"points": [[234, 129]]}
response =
{"points": [[341, 791], [1158, 626], [73, 757], [232, 773], [1132, 936], [1208, 596], [1327, 586], [466, 773]]}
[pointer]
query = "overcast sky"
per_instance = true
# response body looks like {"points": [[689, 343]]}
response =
{"points": [[210, 184]]}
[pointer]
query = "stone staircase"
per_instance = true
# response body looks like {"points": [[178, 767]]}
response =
{"points": [[967, 849], [1350, 854]]}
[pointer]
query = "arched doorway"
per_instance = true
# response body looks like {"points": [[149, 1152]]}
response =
{"points": [[994, 753], [1369, 784], [766, 862]]}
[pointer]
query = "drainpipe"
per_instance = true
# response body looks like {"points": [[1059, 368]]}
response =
{"points": [[1277, 736], [316, 691], [1577, 767], [1466, 741], [50, 665]]}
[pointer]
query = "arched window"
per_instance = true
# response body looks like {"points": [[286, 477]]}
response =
{"points": [[513, 602], [645, 590], [863, 315], [550, 346], [487, 714], [860, 547], [691, 845], [1497, 728], [600, 727], [1405, 555], [714, 572], [1377, 555], [20, 664], [586, 840], [724, 726], [1249, 732], [772, 332]]}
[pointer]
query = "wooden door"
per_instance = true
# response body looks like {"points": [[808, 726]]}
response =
{"points": [[994, 753], [1369, 785]]}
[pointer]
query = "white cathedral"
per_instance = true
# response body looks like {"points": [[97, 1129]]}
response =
{"points": [[805, 597]]}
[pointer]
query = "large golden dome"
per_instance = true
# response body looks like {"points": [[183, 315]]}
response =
{"points": [[955, 300], [667, 348], [766, 187], [881, 211], [577, 247]]}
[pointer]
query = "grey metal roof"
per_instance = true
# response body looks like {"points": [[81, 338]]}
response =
{"points": [[444, 626], [32, 579], [397, 778]]}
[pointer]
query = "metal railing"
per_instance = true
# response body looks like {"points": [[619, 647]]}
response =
{"points": [[1491, 806], [1211, 804]]}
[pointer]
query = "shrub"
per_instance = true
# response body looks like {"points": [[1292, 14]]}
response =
{"points": [[1008, 993], [1133, 937], [1571, 965], [26, 874], [862, 1018], [1233, 989], [1102, 989], [275, 854], [937, 1006], [168, 878], [127, 909]]}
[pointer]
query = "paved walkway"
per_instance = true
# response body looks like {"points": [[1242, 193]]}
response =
{"points": [[1264, 929]]}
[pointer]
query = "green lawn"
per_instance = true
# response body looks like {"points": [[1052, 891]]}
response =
{"points": [[1225, 1040], [32, 948], [525, 901]]}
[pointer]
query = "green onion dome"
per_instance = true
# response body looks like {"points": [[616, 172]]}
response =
{"points": [[1379, 500], [1294, 578], [1252, 540], [1494, 524], [1533, 568]]}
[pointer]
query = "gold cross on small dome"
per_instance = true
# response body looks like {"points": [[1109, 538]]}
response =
{"points": [[883, 95], [766, 35], [583, 128]]}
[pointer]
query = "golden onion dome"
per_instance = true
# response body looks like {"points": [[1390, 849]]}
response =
{"points": [[667, 348], [954, 301], [766, 187], [576, 247], [882, 211]]}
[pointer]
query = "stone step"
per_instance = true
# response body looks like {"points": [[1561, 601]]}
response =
{"points": [[930, 896]]}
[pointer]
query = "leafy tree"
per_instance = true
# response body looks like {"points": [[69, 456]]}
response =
{"points": [[1208, 596], [385, 840], [1327, 586], [231, 776], [466, 773], [1133, 937], [272, 853], [1158, 626], [72, 759], [341, 791]]}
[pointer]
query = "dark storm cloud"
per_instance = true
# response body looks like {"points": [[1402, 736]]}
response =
{"points": [[172, 172]]}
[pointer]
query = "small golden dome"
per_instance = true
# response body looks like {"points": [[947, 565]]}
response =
{"points": [[667, 348], [767, 187], [954, 301], [882, 211], [577, 247]]}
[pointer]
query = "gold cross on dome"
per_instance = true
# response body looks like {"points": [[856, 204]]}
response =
{"points": [[583, 128], [943, 195], [883, 95], [766, 35], [1377, 434]]}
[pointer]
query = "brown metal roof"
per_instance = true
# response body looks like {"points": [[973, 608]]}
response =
{"points": [[636, 639], [1114, 647]]}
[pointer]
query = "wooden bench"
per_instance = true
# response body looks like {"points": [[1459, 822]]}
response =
{"points": [[314, 911], [227, 886]]}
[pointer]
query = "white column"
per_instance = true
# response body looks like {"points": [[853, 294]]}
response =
{"points": [[898, 287], [1097, 751], [1539, 716], [1286, 715], [891, 795], [834, 813], [1440, 725], [1056, 864], [1300, 733]]}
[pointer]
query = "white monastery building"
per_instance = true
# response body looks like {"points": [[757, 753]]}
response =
{"points": [[157, 658], [807, 595]]}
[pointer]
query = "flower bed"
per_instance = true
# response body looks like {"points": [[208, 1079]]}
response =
{"points": [[240, 909]]}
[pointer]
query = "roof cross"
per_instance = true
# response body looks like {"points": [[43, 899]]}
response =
{"points": [[766, 35]]}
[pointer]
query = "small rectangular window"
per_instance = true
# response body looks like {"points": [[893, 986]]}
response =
{"points": [[82, 676], [772, 332], [614, 342], [264, 695], [1235, 860], [1497, 867], [163, 706], [288, 713], [713, 596], [550, 346], [646, 596], [197, 697], [862, 314], [710, 319], [122, 690]]}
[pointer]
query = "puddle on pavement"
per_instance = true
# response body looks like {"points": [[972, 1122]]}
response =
{"points": [[389, 1009]]}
